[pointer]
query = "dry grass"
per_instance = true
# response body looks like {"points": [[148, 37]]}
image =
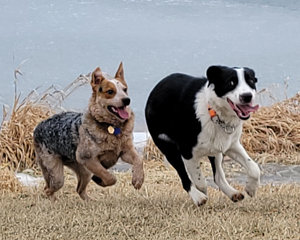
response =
{"points": [[160, 210], [8, 181], [17, 151], [274, 132]]}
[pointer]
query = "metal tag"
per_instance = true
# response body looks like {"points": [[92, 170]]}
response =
{"points": [[110, 129], [229, 129]]}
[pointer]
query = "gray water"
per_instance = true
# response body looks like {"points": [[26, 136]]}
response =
{"points": [[153, 38]]}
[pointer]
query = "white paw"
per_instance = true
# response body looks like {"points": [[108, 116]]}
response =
{"points": [[198, 197], [251, 186]]}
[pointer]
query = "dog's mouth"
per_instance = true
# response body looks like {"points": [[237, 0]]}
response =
{"points": [[242, 110], [120, 112]]}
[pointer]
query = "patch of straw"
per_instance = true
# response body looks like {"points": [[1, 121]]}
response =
{"points": [[274, 131], [161, 209], [8, 181], [16, 133]]}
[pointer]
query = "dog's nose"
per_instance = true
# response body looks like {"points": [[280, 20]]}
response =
{"points": [[126, 101], [246, 97]]}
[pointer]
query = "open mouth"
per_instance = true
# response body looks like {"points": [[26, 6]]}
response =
{"points": [[120, 112], [242, 110]]}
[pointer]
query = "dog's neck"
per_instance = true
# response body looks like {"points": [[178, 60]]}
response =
{"points": [[104, 120], [223, 111]]}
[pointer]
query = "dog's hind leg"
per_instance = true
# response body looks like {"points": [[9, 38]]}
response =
{"points": [[83, 177], [193, 168], [171, 152], [52, 169], [220, 180]]}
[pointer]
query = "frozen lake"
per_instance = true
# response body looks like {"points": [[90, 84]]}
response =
{"points": [[153, 38]]}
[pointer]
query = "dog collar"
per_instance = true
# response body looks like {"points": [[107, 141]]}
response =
{"points": [[215, 119], [113, 130]]}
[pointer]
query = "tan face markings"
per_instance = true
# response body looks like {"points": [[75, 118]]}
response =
{"points": [[107, 89]]}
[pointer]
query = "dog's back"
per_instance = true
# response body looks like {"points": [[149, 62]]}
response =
{"points": [[170, 110], [59, 134]]}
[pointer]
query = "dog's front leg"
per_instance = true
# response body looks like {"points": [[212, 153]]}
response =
{"points": [[239, 154], [220, 180], [130, 156], [105, 178]]}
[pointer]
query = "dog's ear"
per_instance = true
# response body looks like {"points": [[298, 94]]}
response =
{"points": [[120, 74], [97, 77], [251, 73], [213, 74]]}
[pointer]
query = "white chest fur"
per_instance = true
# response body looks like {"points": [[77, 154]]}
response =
{"points": [[213, 139]]}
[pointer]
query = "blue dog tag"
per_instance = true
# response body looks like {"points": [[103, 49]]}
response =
{"points": [[117, 131]]}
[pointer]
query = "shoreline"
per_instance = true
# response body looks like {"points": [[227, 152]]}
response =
{"points": [[272, 173]]}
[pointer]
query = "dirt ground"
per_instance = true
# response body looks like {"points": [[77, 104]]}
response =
{"points": [[160, 210]]}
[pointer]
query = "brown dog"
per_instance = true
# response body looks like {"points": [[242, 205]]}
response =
{"points": [[89, 143]]}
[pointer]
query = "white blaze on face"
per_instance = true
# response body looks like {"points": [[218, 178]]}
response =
{"points": [[120, 93], [117, 101], [241, 88], [235, 98]]}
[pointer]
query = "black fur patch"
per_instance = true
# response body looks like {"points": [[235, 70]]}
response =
{"points": [[59, 134]]}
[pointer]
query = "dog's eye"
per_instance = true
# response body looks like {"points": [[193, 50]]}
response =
{"points": [[100, 89], [251, 81], [231, 83], [110, 92], [125, 90]]}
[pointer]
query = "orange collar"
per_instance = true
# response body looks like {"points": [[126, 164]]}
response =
{"points": [[215, 119], [212, 112]]}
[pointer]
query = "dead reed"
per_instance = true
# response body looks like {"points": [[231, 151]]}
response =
{"points": [[8, 181], [274, 132], [17, 151]]}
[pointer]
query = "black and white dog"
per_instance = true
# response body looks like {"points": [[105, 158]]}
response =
{"points": [[190, 117]]}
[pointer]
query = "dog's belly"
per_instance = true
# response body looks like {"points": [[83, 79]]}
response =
{"points": [[108, 159]]}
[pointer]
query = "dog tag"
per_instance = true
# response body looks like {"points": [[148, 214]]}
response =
{"points": [[117, 131], [229, 129], [110, 129]]}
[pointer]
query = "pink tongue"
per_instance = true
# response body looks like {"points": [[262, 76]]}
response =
{"points": [[248, 108], [122, 113]]}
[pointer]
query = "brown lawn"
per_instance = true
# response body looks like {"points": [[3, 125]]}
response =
{"points": [[160, 210]]}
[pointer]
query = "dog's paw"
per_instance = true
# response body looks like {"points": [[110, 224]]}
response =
{"points": [[198, 197], [138, 179], [85, 197], [50, 194], [237, 197], [90, 199], [251, 187], [250, 190]]}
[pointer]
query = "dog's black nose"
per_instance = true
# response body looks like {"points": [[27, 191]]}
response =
{"points": [[246, 97], [126, 101]]}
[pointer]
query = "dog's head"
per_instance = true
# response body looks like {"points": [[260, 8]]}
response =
{"points": [[110, 98], [236, 86]]}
